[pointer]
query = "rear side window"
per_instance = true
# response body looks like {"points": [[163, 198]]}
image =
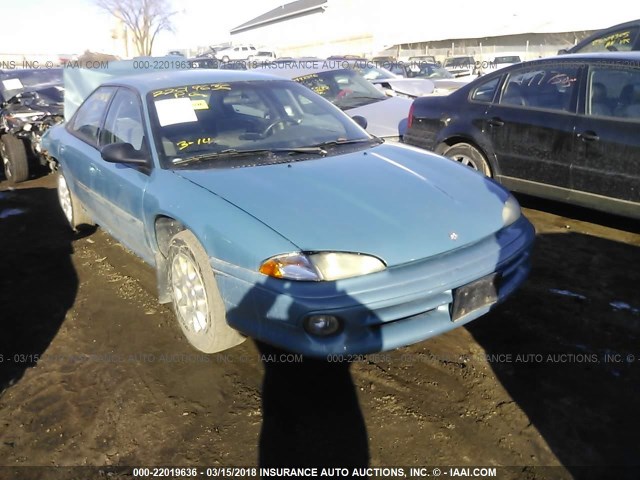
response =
{"points": [[88, 119], [613, 91], [618, 41], [485, 92], [548, 87]]}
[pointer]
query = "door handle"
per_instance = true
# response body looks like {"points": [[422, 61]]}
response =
{"points": [[588, 136], [496, 122]]}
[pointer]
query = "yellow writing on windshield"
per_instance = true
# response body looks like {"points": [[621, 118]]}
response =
{"points": [[190, 90], [184, 144], [199, 105], [305, 77]]}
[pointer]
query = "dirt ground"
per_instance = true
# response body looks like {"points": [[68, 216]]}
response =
{"points": [[93, 372]]}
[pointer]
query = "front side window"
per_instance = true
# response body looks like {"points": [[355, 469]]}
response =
{"points": [[124, 121], [88, 118], [548, 87], [613, 92]]}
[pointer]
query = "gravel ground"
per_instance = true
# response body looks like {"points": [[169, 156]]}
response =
{"points": [[94, 372]]}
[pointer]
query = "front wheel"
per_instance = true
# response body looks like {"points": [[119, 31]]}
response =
{"points": [[470, 156], [14, 158], [197, 302]]}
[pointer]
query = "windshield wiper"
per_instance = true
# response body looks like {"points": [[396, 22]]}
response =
{"points": [[232, 152], [331, 143]]}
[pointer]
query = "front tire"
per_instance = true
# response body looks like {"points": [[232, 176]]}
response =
{"points": [[72, 208], [196, 298], [14, 158], [470, 156]]}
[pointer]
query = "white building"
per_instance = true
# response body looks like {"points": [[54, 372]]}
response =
{"points": [[367, 27]]}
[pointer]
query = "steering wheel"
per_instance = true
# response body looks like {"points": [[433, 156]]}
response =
{"points": [[281, 121], [269, 128]]}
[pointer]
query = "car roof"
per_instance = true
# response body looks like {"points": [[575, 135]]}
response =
{"points": [[612, 56], [632, 58], [148, 82]]}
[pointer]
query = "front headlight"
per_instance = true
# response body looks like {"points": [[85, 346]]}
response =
{"points": [[320, 266], [511, 211]]}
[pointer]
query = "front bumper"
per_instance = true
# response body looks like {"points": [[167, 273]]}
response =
{"points": [[381, 311]]}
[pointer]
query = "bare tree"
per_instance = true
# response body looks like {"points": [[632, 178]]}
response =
{"points": [[144, 19]]}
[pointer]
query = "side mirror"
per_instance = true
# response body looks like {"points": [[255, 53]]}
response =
{"points": [[360, 120], [562, 51], [123, 153]]}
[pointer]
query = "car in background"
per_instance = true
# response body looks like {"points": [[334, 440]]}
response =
{"points": [[390, 84], [203, 62], [501, 61], [461, 66], [444, 81], [345, 57], [264, 56], [564, 128], [269, 213], [419, 59], [380, 114], [623, 37], [383, 60], [31, 100], [238, 52], [234, 65]]}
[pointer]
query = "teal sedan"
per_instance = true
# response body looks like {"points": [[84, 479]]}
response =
{"points": [[269, 213]]}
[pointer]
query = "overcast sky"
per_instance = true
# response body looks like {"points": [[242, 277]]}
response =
{"points": [[73, 26]]}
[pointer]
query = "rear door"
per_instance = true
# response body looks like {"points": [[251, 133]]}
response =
{"points": [[81, 152], [119, 188], [532, 128], [608, 148]]}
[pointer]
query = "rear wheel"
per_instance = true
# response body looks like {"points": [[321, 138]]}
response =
{"points": [[470, 156], [14, 158], [197, 302], [72, 208]]}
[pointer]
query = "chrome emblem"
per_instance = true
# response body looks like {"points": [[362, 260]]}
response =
{"points": [[453, 236]]}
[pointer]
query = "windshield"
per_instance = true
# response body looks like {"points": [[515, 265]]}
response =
{"points": [[13, 82], [344, 88], [195, 122], [433, 71]]}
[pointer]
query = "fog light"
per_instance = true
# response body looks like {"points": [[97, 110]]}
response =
{"points": [[322, 325]]}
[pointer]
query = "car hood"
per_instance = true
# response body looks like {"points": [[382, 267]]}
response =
{"points": [[413, 87], [385, 118], [394, 202]]}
